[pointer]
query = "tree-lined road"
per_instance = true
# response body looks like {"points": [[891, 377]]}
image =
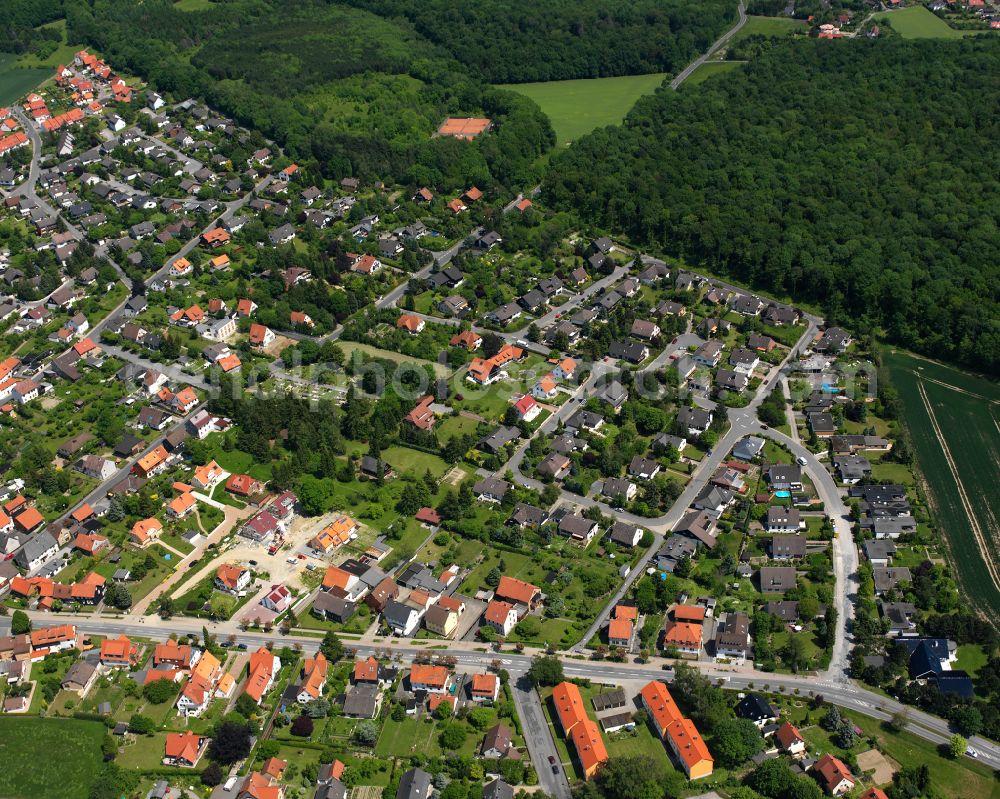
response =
{"points": [[684, 74]]}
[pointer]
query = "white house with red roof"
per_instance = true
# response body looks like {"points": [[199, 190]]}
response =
{"points": [[527, 409]]}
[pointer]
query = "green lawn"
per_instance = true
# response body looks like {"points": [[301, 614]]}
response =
{"points": [[577, 107], [709, 69], [456, 426], [144, 752], [236, 461], [917, 22], [408, 737], [404, 459], [69, 775], [893, 473], [971, 657], [956, 779], [353, 346], [640, 741]]}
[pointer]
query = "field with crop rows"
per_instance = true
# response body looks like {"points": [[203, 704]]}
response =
{"points": [[954, 421]]}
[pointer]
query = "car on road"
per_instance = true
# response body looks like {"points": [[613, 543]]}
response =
{"points": [[801, 460], [552, 760], [555, 769], [971, 752], [252, 562], [301, 556]]}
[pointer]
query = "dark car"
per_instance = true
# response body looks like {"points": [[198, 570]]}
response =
{"points": [[552, 760], [555, 769]]}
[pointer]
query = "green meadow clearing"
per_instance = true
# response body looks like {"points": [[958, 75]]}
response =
{"points": [[68, 775], [770, 26], [917, 22], [577, 107], [954, 422], [710, 69]]}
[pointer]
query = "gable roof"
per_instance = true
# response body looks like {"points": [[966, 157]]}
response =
{"points": [[568, 703], [516, 590]]}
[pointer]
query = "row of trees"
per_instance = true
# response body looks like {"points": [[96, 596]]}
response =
{"points": [[849, 176]]}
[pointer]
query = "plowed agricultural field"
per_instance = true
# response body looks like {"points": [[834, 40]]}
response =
{"points": [[954, 421]]}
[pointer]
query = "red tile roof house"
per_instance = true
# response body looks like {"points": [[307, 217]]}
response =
{"points": [[500, 616], [433, 679], [791, 739], [518, 592], [834, 777], [183, 749], [484, 687], [263, 668], [243, 485], [119, 653], [232, 578]]}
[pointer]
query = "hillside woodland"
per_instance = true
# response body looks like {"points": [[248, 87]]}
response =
{"points": [[18, 25], [518, 41], [858, 176], [358, 94]]}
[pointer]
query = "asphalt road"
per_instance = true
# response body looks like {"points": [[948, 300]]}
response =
{"points": [[538, 738], [850, 696], [690, 68]]}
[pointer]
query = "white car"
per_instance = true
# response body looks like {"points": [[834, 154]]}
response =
{"points": [[802, 460], [971, 752]]}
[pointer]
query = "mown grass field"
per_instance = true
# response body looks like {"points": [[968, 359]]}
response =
{"points": [[68, 775], [577, 107], [917, 22], [954, 421], [769, 26]]}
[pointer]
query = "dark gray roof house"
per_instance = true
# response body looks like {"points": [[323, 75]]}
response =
{"points": [[500, 438], [777, 579], [785, 547], [888, 577], [415, 784], [498, 789], [362, 701], [698, 526], [527, 516], [577, 527], [614, 395], [491, 488], [625, 534], [585, 420], [629, 351]]}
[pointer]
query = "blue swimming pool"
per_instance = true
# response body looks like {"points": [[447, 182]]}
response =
{"points": [[783, 494]]}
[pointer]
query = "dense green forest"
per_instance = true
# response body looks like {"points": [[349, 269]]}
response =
{"points": [[860, 176], [18, 19], [358, 94], [518, 41]]}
